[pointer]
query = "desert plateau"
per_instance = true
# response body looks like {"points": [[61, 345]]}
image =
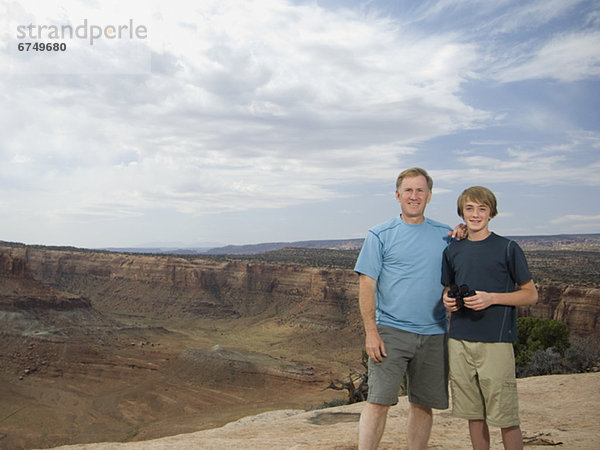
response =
{"points": [[107, 349]]}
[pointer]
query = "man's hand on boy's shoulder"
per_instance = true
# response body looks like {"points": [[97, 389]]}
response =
{"points": [[459, 232]]}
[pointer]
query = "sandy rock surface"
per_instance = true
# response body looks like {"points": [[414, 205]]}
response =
{"points": [[558, 410]]}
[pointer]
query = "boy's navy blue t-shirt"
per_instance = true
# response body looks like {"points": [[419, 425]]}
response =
{"points": [[494, 264]]}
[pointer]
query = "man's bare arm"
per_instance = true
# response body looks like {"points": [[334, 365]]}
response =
{"points": [[367, 302]]}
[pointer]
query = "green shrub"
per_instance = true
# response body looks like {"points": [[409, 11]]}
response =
{"points": [[544, 347], [535, 335]]}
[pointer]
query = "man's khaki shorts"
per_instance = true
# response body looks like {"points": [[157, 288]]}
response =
{"points": [[483, 383], [425, 360]]}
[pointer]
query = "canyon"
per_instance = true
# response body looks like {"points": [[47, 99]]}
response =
{"points": [[293, 294], [103, 346]]}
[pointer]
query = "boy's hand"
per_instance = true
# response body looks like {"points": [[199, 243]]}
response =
{"points": [[481, 300], [449, 302]]}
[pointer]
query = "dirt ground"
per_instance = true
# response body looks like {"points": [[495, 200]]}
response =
{"points": [[556, 410], [134, 385]]}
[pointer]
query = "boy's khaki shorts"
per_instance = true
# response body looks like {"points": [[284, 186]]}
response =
{"points": [[483, 383], [425, 360]]}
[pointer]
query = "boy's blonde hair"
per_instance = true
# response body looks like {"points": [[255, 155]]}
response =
{"points": [[414, 172], [478, 194]]}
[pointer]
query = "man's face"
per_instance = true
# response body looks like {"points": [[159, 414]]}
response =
{"points": [[413, 196], [476, 215]]}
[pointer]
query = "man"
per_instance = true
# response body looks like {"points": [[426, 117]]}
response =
{"points": [[400, 299], [483, 325]]}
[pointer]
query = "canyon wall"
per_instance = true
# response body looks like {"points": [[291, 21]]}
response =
{"points": [[578, 307], [167, 286], [20, 290]]}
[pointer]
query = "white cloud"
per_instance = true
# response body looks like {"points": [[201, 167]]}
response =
{"points": [[567, 57], [543, 166], [570, 218], [514, 16], [252, 105]]}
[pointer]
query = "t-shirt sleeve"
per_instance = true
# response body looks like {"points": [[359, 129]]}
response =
{"points": [[517, 264], [370, 258], [447, 272]]}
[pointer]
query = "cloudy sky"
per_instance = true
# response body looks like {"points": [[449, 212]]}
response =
{"points": [[237, 122]]}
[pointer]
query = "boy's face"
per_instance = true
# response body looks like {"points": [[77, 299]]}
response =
{"points": [[413, 196], [477, 216]]}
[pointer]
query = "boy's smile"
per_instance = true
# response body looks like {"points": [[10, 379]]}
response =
{"points": [[477, 219]]}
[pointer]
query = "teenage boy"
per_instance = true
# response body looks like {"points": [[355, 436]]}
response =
{"points": [[483, 328]]}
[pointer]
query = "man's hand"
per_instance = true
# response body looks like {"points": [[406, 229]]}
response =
{"points": [[366, 300], [375, 347], [460, 232]]}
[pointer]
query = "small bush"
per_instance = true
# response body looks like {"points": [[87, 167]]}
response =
{"points": [[584, 354], [332, 403], [535, 335], [542, 362], [545, 348]]}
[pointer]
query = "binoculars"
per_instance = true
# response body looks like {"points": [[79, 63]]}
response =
{"points": [[459, 293]]}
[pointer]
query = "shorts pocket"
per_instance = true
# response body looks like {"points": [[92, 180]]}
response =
{"points": [[509, 404]]}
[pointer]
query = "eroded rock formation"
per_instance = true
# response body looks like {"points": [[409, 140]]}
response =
{"points": [[578, 307], [169, 286]]}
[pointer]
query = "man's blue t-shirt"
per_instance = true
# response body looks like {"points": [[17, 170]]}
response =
{"points": [[406, 262]]}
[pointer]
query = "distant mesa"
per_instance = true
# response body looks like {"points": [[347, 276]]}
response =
{"points": [[249, 249], [555, 242]]}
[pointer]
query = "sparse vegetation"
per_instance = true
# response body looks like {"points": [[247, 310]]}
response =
{"points": [[358, 392], [313, 257], [565, 267], [584, 354], [544, 347], [357, 384], [536, 334], [330, 404]]}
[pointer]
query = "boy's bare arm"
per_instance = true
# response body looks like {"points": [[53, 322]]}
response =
{"points": [[366, 300], [525, 295]]}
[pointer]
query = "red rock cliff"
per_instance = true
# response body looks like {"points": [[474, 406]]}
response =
{"points": [[177, 286], [167, 286]]}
